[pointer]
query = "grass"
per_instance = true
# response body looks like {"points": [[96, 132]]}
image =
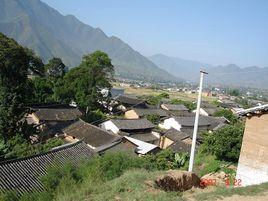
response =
{"points": [[222, 192]]}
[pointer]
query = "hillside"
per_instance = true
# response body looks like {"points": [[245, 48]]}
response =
{"points": [[36, 25], [228, 75]]}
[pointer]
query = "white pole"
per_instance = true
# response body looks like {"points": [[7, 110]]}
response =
{"points": [[191, 164]]}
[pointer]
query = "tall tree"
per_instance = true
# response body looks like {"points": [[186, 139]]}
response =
{"points": [[35, 63], [14, 64], [55, 68], [84, 84]]}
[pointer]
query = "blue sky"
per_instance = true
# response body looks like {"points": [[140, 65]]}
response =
{"points": [[211, 31]]}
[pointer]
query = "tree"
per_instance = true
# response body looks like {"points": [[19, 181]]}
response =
{"points": [[190, 105], [35, 63], [227, 114], [14, 65], [43, 90], [55, 68], [234, 92], [84, 83], [224, 143]]}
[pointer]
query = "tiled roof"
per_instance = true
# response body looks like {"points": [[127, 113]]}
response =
{"points": [[180, 146], [57, 114], [129, 100], [23, 175], [189, 121], [143, 112], [132, 124], [172, 107], [175, 135], [91, 134], [146, 137]]}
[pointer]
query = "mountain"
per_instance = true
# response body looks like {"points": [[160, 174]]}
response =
{"points": [[36, 25], [233, 75], [186, 69], [228, 75]]}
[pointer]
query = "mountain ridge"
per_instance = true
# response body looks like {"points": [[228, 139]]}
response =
{"points": [[45, 30], [225, 75]]}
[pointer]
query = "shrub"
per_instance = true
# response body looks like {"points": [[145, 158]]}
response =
{"points": [[225, 143], [155, 119], [93, 116], [227, 114], [190, 105]]}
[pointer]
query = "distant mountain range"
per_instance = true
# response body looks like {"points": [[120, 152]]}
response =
{"points": [[228, 75], [36, 25]]}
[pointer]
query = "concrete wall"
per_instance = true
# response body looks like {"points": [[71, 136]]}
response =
{"points": [[253, 161]]}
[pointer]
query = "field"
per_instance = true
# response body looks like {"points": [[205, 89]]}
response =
{"points": [[173, 94]]}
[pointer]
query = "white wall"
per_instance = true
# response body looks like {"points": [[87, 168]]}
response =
{"points": [[109, 126], [170, 123]]}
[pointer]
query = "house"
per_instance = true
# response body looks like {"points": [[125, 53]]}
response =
{"points": [[253, 160], [207, 111], [175, 140], [186, 124], [129, 145], [92, 135], [140, 129], [175, 109], [23, 175], [128, 125], [137, 113], [52, 114], [126, 101]]}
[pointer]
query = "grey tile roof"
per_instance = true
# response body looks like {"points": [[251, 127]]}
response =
{"points": [[172, 107], [180, 146], [91, 134], [211, 110], [175, 135], [133, 124], [146, 137], [57, 114], [129, 100], [189, 121], [23, 175], [142, 112]]}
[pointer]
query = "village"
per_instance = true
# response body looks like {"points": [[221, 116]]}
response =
{"points": [[133, 100]]}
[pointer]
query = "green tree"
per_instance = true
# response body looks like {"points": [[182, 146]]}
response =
{"points": [[190, 105], [43, 90], [227, 114], [14, 65], [234, 92], [224, 143], [35, 63], [55, 68], [154, 118], [84, 83]]}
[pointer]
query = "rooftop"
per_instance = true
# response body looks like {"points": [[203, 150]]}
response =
{"points": [[57, 114], [254, 110], [133, 124], [23, 175], [189, 121], [172, 107], [129, 100], [175, 135], [142, 112], [91, 134]]}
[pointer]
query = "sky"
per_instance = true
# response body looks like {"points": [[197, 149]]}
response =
{"points": [[217, 32]]}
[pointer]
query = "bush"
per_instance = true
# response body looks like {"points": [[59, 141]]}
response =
{"points": [[93, 116], [165, 160], [190, 105], [155, 119], [227, 114], [225, 143]]}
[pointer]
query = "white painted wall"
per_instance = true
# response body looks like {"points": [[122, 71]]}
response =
{"points": [[170, 123], [110, 126], [202, 112]]}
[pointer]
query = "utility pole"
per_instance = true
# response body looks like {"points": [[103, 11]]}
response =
{"points": [[191, 164]]}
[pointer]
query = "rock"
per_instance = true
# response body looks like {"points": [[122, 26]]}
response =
{"points": [[177, 180], [214, 179]]}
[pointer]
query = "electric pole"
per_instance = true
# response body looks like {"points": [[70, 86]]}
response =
{"points": [[191, 164]]}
